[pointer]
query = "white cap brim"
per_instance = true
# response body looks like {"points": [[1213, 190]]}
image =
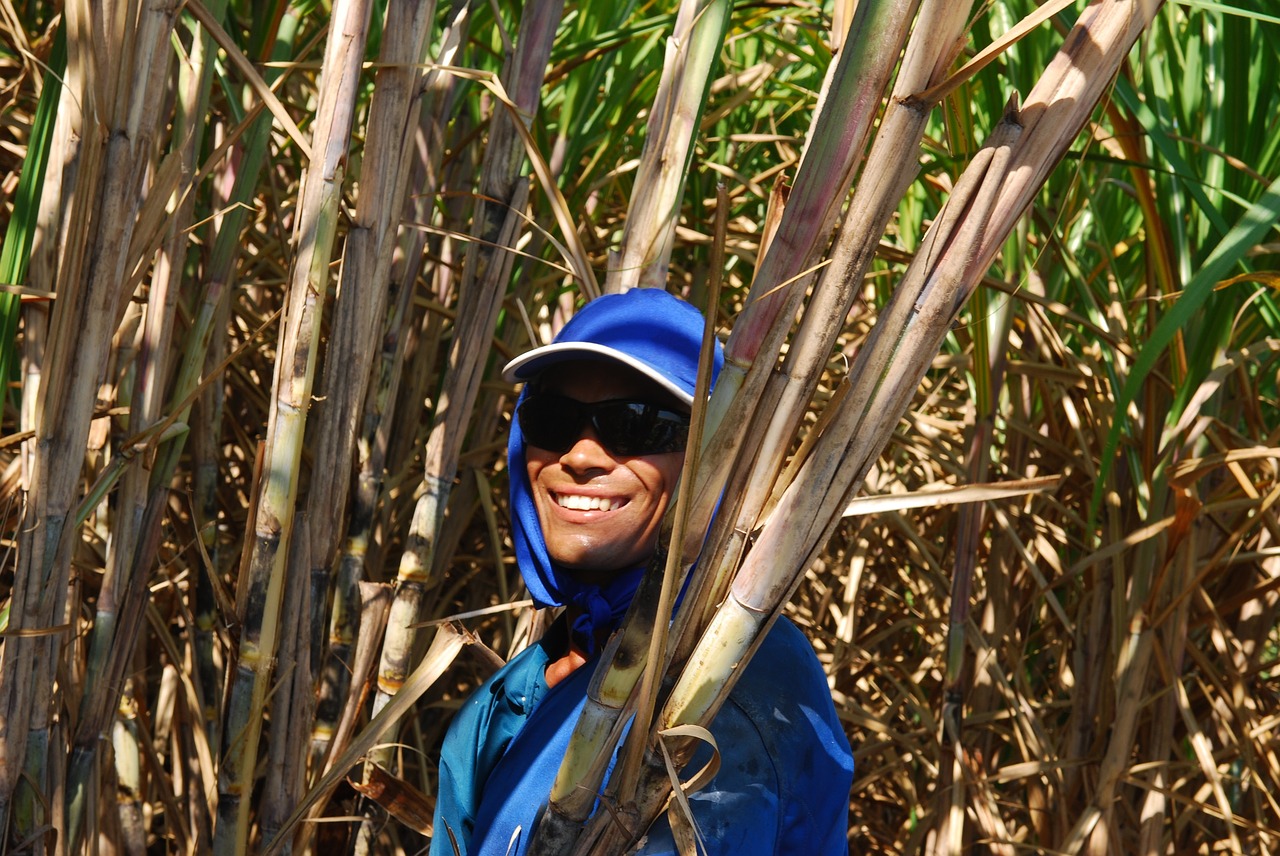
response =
{"points": [[529, 365]]}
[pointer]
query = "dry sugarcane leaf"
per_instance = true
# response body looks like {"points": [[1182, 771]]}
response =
{"points": [[935, 497], [444, 648], [401, 800], [1189, 470], [683, 828], [1193, 411]]}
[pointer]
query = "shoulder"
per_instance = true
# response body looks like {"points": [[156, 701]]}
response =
{"points": [[478, 737], [784, 681], [517, 686], [491, 717]]}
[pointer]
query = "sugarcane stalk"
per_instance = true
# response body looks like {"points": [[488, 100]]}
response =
{"points": [[133, 543], [264, 573], [379, 406], [291, 700], [41, 273], [128, 765], [204, 354], [654, 207], [989, 371], [122, 606], [848, 106], [375, 600], [1174, 639], [928, 54], [195, 81], [446, 439], [103, 204], [502, 199], [413, 577], [365, 276], [481, 294]]}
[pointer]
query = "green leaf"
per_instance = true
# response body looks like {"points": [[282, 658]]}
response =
{"points": [[1260, 218], [16, 251]]}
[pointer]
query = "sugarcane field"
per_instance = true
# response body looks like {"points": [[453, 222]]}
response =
{"points": [[943, 364]]}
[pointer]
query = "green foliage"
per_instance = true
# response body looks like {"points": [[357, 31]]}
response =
{"points": [[20, 232]]}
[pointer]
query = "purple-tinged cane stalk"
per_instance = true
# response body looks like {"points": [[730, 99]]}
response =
{"points": [[929, 52], [847, 108]]}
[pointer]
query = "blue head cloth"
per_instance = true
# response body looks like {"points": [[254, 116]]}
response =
{"points": [[651, 332]]}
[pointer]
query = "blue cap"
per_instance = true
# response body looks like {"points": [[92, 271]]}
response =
{"points": [[646, 329]]}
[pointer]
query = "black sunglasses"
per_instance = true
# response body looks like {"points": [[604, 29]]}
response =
{"points": [[625, 427]]}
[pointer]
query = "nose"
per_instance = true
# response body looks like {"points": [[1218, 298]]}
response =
{"points": [[587, 454]]}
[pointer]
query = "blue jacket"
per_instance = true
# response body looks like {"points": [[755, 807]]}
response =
{"points": [[783, 785]]}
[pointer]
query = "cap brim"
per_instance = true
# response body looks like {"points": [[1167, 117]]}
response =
{"points": [[529, 365]]}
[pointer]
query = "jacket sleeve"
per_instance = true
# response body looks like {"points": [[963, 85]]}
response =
{"points": [[477, 739]]}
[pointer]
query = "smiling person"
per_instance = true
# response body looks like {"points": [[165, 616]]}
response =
{"points": [[595, 455]]}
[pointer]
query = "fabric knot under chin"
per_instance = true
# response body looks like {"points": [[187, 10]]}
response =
{"points": [[594, 615]]}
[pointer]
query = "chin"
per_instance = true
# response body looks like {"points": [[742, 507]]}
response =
{"points": [[591, 564]]}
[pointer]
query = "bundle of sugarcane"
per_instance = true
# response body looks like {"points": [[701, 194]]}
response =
{"points": [[772, 520]]}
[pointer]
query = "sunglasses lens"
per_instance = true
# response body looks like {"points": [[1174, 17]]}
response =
{"points": [[640, 428], [555, 423], [551, 422]]}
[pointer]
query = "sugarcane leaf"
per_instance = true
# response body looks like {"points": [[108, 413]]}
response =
{"points": [[1191, 469], [1260, 218], [708, 772], [250, 74], [684, 829], [15, 253], [444, 648], [1230, 10], [1213, 382], [401, 799], [935, 497]]}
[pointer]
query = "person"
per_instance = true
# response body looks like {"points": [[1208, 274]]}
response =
{"points": [[595, 452]]}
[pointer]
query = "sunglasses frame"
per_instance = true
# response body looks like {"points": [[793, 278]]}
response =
{"points": [[577, 415]]}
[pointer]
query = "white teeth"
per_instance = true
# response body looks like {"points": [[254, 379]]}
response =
{"points": [[587, 503]]}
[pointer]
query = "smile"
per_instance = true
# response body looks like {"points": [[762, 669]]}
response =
{"points": [[577, 502]]}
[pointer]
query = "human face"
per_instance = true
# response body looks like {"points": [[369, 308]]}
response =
{"points": [[601, 513]]}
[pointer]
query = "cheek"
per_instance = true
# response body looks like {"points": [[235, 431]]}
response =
{"points": [[534, 462], [660, 474]]}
